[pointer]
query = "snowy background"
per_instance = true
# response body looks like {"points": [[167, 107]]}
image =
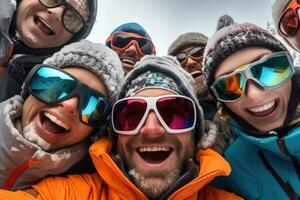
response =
{"points": [[164, 20]]}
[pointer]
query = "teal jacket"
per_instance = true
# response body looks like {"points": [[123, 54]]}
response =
{"points": [[264, 168]]}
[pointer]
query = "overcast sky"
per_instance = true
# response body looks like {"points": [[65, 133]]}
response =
{"points": [[164, 20]]}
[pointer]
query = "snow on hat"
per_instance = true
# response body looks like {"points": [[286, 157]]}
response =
{"points": [[186, 40], [131, 27], [232, 37], [166, 72], [97, 58]]}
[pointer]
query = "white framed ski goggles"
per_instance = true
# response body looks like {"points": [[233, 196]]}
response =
{"points": [[271, 71], [176, 113]]}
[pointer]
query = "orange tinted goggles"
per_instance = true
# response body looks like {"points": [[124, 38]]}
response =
{"points": [[195, 53], [122, 40], [289, 20]]}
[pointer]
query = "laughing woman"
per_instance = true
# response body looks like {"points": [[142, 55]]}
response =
{"points": [[251, 74]]}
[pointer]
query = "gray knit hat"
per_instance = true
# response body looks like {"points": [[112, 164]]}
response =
{"points": [[185, 40], [94, 57], [231, 38], [168, 72]]}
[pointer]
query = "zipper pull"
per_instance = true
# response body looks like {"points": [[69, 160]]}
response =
{"points": [[281, 144]]}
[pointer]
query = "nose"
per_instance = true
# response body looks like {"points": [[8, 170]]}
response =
{"points": [[70, 105], [253, 90], [152, 126], [56, 12], [132, 47], [190, 64]]}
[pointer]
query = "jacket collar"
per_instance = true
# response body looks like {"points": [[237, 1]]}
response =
{"points": [[211, 165]]}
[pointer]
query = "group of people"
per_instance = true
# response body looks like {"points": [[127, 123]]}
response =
{"points": [[216, 118]]}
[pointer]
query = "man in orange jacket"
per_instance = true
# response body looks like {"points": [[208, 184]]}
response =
{"points": [[157, 125]]}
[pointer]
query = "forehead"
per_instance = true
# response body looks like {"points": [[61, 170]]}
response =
{"points": [[153, 92], [240, 58]]}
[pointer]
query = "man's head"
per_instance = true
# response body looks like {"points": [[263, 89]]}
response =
{"points": [[188, 48], [131, 42], [250, 72], [50, 23], [158, 123], [71, 94], [286, 16]]}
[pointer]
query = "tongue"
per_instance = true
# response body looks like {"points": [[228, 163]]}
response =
{"points": [[44, 28], [155, 157], [52, 127]]}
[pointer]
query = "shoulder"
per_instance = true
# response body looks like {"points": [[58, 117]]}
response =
{"points": [[211, 192], [75, 186]]}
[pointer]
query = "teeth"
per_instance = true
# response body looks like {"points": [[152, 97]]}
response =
{"points": [[153, 149], [128, 61], [56, 121], [263, 108], [47, 25]]}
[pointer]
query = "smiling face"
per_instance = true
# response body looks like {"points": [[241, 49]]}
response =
{"points": [[59, 125], [263, 108], [129, 56], [154, 157], [194, 67], [39, 26]]}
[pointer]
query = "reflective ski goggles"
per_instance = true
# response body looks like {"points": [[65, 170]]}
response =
{"points": [[122, 40], [194, 53], [52, 85], [71, 18], [176, 113], [269, 72], [289, 20]]}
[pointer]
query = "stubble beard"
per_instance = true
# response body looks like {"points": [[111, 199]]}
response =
{"points": [[143, 180]]}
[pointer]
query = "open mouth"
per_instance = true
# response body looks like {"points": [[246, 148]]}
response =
{"points": [[128, 61], [154, 155], [43, 26], [264, 110], [196, 74], [52, 124]]}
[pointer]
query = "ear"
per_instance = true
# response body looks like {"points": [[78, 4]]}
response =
{"points": [[209, 135]]}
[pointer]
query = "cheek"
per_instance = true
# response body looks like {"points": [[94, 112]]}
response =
{"points": [[30, 109]]}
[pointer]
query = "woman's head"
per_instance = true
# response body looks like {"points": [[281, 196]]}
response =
{"points": [[71, 94], [250, 72], [48, 24]]}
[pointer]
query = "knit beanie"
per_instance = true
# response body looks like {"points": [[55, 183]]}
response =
{"points": [[131, 27], [186, 40], [97, 58], [232, 37], [166, 73]]}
